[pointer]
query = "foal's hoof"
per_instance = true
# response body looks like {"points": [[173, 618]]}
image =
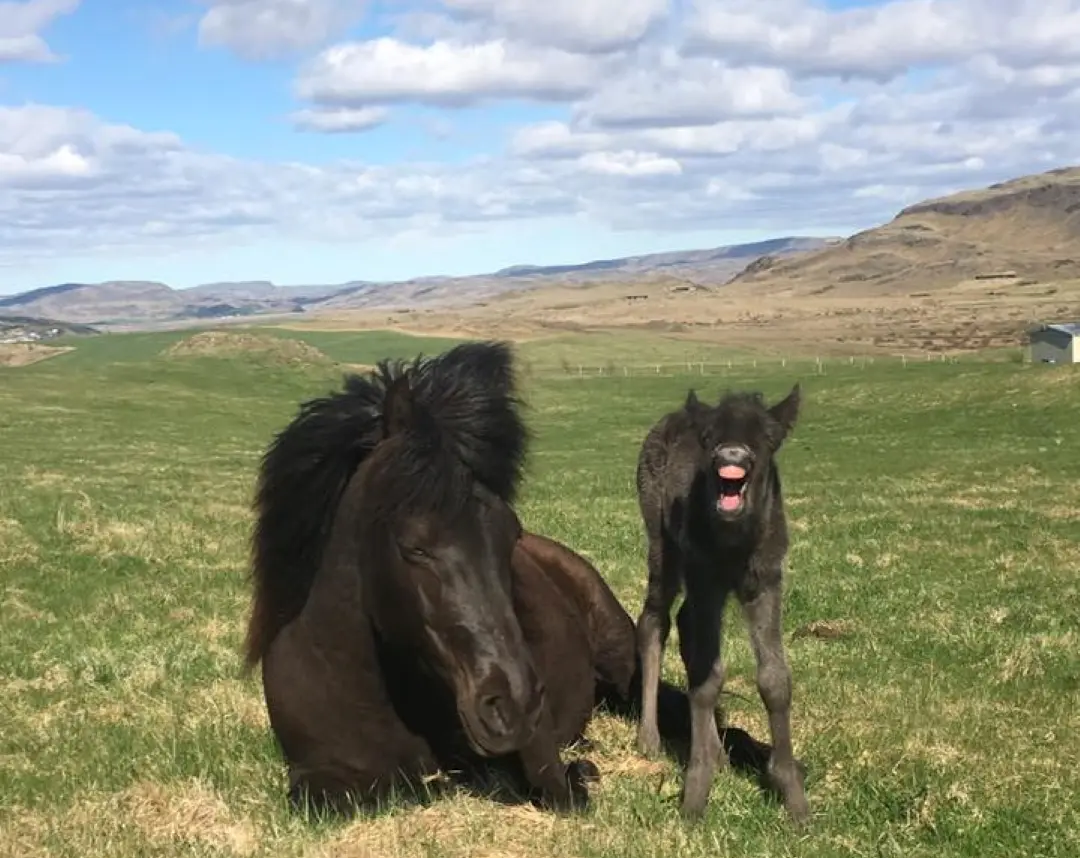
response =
{"points": [[648, 744], [691, 811], [790, 787]]}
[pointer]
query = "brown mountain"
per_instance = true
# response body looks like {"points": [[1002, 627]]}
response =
{"points": [[144, 302], [1028, 227]]}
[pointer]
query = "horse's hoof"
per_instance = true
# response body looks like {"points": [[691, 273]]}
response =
{"points": [[648, 745], [583, 772], [691, 811], [579, 774], [798, 809]]}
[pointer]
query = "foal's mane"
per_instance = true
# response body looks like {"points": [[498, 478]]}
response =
{"points": [[454, 420]]}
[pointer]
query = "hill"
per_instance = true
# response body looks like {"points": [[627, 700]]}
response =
{"points": [[23, 329], [143, 302], [971, 270], [1026, 229]]}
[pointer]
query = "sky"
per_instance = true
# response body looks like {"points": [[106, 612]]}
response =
{"points": [[322, 141]]}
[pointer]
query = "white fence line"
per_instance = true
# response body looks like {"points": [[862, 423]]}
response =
{"points": [[818, 366]]}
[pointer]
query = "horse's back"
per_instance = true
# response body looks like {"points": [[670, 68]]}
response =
{"points": [[609, 627]]}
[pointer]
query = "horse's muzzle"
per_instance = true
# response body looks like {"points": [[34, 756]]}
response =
{"points": [[501, 721]]}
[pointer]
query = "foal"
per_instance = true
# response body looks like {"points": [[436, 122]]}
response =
{"points": [[709, 493]]}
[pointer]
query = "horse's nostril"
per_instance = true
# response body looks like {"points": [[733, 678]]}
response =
{"points": [[493, 713]]}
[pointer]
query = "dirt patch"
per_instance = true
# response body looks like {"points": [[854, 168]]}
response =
{"points": [[267, 349], [24, 354]]}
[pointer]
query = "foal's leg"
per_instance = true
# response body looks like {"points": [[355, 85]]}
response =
{"points": [[774, 684], [700, 631], [653, 628]]}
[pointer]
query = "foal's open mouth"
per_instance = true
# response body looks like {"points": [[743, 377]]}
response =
{"points": [[732, 493]]}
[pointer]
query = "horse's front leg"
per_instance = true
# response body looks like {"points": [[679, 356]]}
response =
{"points": [[561, 786]]}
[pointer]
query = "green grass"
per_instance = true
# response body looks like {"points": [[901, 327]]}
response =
{"points": [[935, 516]]}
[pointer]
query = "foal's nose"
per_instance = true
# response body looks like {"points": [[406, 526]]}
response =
{"points": [[734, 454]]}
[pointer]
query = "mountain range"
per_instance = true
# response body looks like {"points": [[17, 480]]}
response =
{"points": [[142, 302], [1025, 231]]}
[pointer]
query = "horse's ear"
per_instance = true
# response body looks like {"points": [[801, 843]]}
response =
{"points": [[397, 406], [784, 414]]}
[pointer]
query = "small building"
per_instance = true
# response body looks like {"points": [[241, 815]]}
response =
{"points": [[1055, 343]]}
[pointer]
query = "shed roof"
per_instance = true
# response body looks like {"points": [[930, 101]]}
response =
{"points": [[1070, 328]]}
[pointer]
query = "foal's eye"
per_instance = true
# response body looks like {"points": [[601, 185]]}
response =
{"points": [[414, 553]]}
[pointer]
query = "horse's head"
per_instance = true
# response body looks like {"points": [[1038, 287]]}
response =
{"points": [[440, 485], [739, 439]]}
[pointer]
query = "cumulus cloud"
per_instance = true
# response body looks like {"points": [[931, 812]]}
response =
{"points": [[884, 40], [73, 181], [264, 29], [443, 73], [21, 24], [687, 94], [781, 116], [629, 163], [587, 26]]}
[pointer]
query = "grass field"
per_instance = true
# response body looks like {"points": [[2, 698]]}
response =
{"points": [[935, 516]]}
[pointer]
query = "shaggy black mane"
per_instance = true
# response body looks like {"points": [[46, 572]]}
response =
{"points": [[454, 420]]}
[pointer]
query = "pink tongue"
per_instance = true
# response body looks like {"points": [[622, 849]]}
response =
{"points": [[732, 472], [729, 503]]}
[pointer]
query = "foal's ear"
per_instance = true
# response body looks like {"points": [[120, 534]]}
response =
{"points": [[784, 414], [397, 407]]}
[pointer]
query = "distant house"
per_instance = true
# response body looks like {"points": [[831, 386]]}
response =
{"points": [[1055, 343]]}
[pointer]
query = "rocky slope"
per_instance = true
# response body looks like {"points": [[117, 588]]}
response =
{"points": [[1027, 229]]}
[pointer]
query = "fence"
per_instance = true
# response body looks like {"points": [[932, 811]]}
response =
{"points": [[741, 366]]}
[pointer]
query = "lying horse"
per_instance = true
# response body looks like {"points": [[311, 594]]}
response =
{"points": [[405, 622]]}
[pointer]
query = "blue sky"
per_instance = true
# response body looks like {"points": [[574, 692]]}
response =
{"points": [[169, 143]]}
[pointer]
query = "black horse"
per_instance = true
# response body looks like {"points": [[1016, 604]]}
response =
{"points": [[405, 622], [713, 510]]}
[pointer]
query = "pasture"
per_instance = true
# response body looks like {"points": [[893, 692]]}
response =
{"points": [[932, 604]]}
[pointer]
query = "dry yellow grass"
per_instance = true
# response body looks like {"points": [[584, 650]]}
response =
{"points": [[25, 354], [230, 344]]}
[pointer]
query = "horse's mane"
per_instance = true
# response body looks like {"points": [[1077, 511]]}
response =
{"points": [[456, 418]]}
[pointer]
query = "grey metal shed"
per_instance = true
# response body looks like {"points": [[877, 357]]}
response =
{"points": [[1055, 343]]}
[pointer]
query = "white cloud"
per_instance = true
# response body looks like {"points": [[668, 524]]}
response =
{"points": [[264, 29], [444, 73], [21, 24], [585, 26], [629, 163], [884, 40], [340, 121], [688, 93], [638, 136]]}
